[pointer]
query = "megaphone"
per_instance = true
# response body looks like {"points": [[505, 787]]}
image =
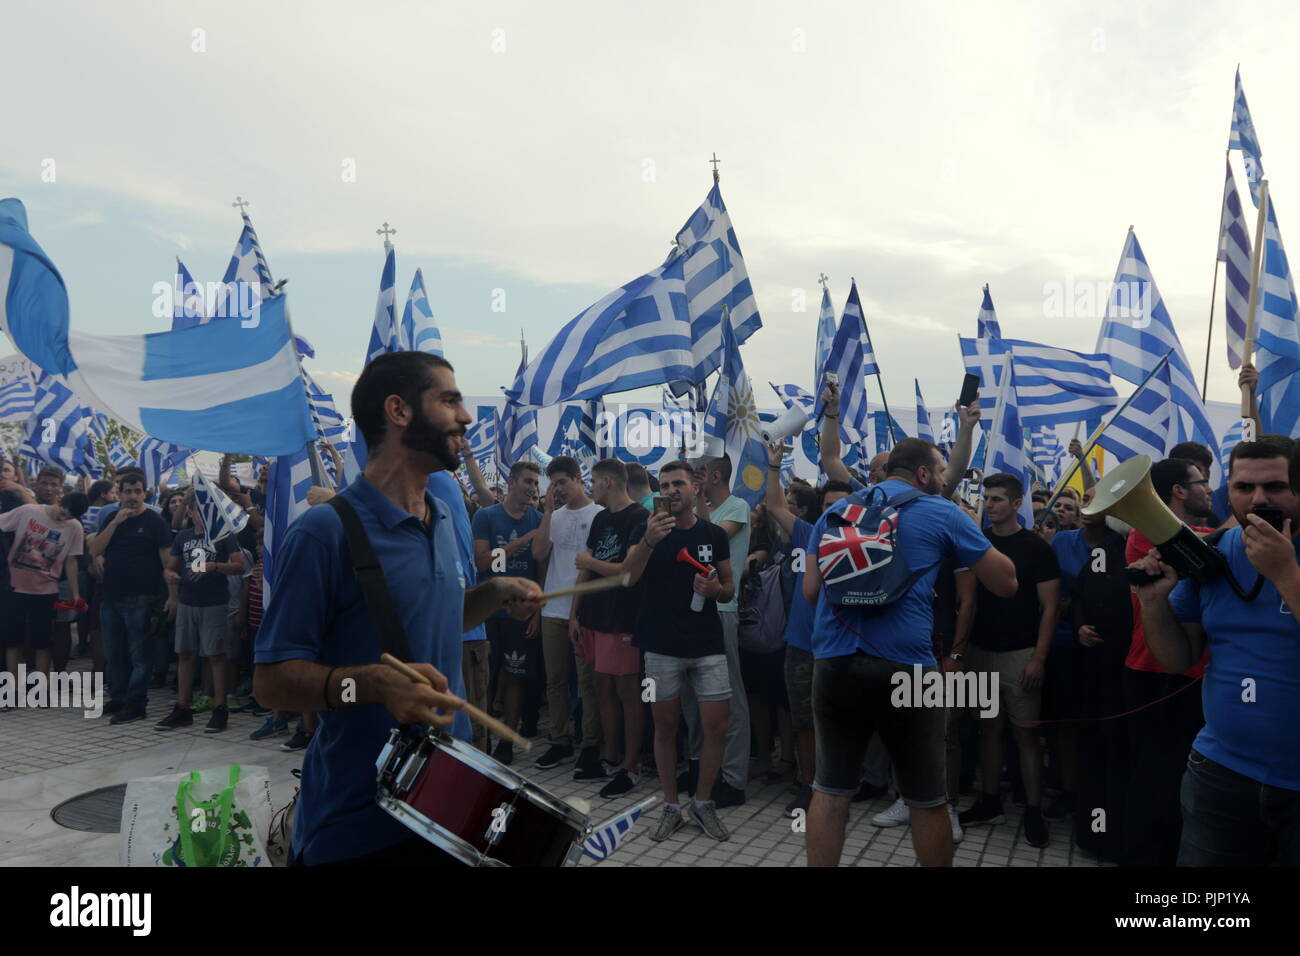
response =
{"points": [[791, 423], [684, 557], [1126, 493]]}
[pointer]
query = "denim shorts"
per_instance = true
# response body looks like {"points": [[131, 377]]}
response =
{"points": [[708, 676], [798, 687]]}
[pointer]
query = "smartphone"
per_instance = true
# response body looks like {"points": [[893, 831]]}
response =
{"points": [[970, 386], [660, 504], [832, 378], [1273, 516]]}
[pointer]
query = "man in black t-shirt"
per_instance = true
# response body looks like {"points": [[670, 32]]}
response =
{"points": [[1009, 642], [601, 625], [135, 544], [681, 643]]}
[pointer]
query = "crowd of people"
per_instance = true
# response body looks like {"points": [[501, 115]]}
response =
{"points": [[723, 667]]}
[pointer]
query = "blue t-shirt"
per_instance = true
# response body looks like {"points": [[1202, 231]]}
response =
{"points": [[318, 614], [1219, 505], [495, 526], [1072, 553], [1257, 641], [799, 624], [930, 530], [444, 486]]}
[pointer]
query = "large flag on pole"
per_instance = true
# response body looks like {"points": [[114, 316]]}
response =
{"points": [[732, 417], [1242, 136], [287, 482], [986, 322], [1142, 425], [1054, 386], [58, 430], [247, 280], [187, 299], [848, 360], [419, 330], [923, 429], [1277, 336], [1235, 254], [385, 334], [221, 517], [825, 338], [1006, 441]]}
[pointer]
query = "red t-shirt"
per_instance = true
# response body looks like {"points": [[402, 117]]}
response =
{"points": [[1140, 657]]}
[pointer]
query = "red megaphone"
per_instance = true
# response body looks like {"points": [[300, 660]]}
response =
{"points": [[684, 557]]}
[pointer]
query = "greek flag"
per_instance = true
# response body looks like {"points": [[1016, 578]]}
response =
{"points": [[221, 517], [1242, 136], [608, 836], [637, 335], [1138, 332], [588, 433], [923, 429], [825, 338], [287, 483], [1231, 439], [715, 276], [98, 425], [219, 385], [984, 357], [58, 430], [948, 434], [1006, 443], [1142, 426], [118, 456], [17, 400], [1235, 254], [885, 435], [732, 418], [482, 437], [331, 422], [986, 322], [187, 299], [516, 431], [1054, 386], [848, 360], [247, 280], [385, 334], [419, 330], [158, 459], [1047, 452], [1277, 338]]}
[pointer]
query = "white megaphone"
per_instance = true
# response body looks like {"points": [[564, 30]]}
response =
{"points": [[710, 446], [791, 423]]}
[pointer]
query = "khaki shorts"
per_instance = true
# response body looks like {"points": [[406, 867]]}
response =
{"points": [[1020, 705]]}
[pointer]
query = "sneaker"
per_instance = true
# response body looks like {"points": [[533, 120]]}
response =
{"points": [[271, 728], [868, 791], [112, 707], [128, 714], [298, 741], [706, 816], [986, 809], [611, 766], [217, 722], [589, 765], [505, 752], [957, 833], [554, 756], [622, 783], [179, 717], [669, 823], [202, 704], [898, 814], [725, 795], [1062, 808], [1035, 828], [687, 779], [800, 801]]}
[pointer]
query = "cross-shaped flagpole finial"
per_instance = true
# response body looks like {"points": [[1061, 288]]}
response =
{"points": [[823, 278], [239, 203], [715, 161], [386, 232]]}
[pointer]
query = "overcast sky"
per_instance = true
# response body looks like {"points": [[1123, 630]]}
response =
{"points": [[553, 150]]}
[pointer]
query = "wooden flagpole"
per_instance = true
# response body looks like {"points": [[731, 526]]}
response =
{"points": [[1214, 291], [1256, 259]]}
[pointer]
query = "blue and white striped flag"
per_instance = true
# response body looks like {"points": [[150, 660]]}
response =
{"points": [[1054, 386], [386, 334], [792, 396], [17, 400], [1138, 332], [58, 430], [1231, 439], [1235, 254], [1047, 452], [482, 437], [984, 357], [1006, 443], [848, 361], [330, 420], [608, 836], [1277, 336], [516, 431], [288, 481], [187, 299], [886, 437], [948, 433], [158, 459], [1143, 426], [825, 338], [715, 277], [118, 456], [1242, 136], [923, 429], [221, 517], [98, 425], [247, 280], [638, 335], [986, 323], [419, 330], [732, 417]]}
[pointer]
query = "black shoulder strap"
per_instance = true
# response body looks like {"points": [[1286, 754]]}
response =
{"points": [[370, 575]]}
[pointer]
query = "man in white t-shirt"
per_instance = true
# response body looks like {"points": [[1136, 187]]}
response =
{"points": [[566, 521]]}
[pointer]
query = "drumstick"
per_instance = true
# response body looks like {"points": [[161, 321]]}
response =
{"points": [[601, 584], [487, 720]]}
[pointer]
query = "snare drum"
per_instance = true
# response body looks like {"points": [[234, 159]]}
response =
{"points": [[473, 807]]}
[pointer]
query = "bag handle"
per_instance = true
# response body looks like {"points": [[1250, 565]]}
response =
{"points": [[370, 575], [223, 800]]}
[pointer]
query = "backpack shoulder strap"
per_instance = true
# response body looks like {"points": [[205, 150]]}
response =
{"points": [[906, 497], [370, 575]]}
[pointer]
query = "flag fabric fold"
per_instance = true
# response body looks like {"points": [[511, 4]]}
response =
{"points": [[1242, 136], [1235, 254], [732, 417]]}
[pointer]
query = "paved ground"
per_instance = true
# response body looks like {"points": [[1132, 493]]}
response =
{"points": [[48, 756]]}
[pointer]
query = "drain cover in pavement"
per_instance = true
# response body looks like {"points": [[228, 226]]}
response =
{"points": [[99, 811]]}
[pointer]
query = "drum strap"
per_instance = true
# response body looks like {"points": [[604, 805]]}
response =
{"points": [[370, 575]]}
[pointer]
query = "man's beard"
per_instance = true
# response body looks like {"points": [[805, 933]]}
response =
{"points": [[424, 436]]}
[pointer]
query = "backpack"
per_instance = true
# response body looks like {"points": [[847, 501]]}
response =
{"points": [[858, 554], [763, 612]]}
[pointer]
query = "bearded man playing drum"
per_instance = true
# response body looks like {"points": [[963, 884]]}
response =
{"points": [[318, 648]]}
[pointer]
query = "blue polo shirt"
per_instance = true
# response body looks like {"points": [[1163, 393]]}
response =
{"points": [[1257, 641], [319, 615], [444, 486], [930, 530], [799, 625], [1072, 553]]}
